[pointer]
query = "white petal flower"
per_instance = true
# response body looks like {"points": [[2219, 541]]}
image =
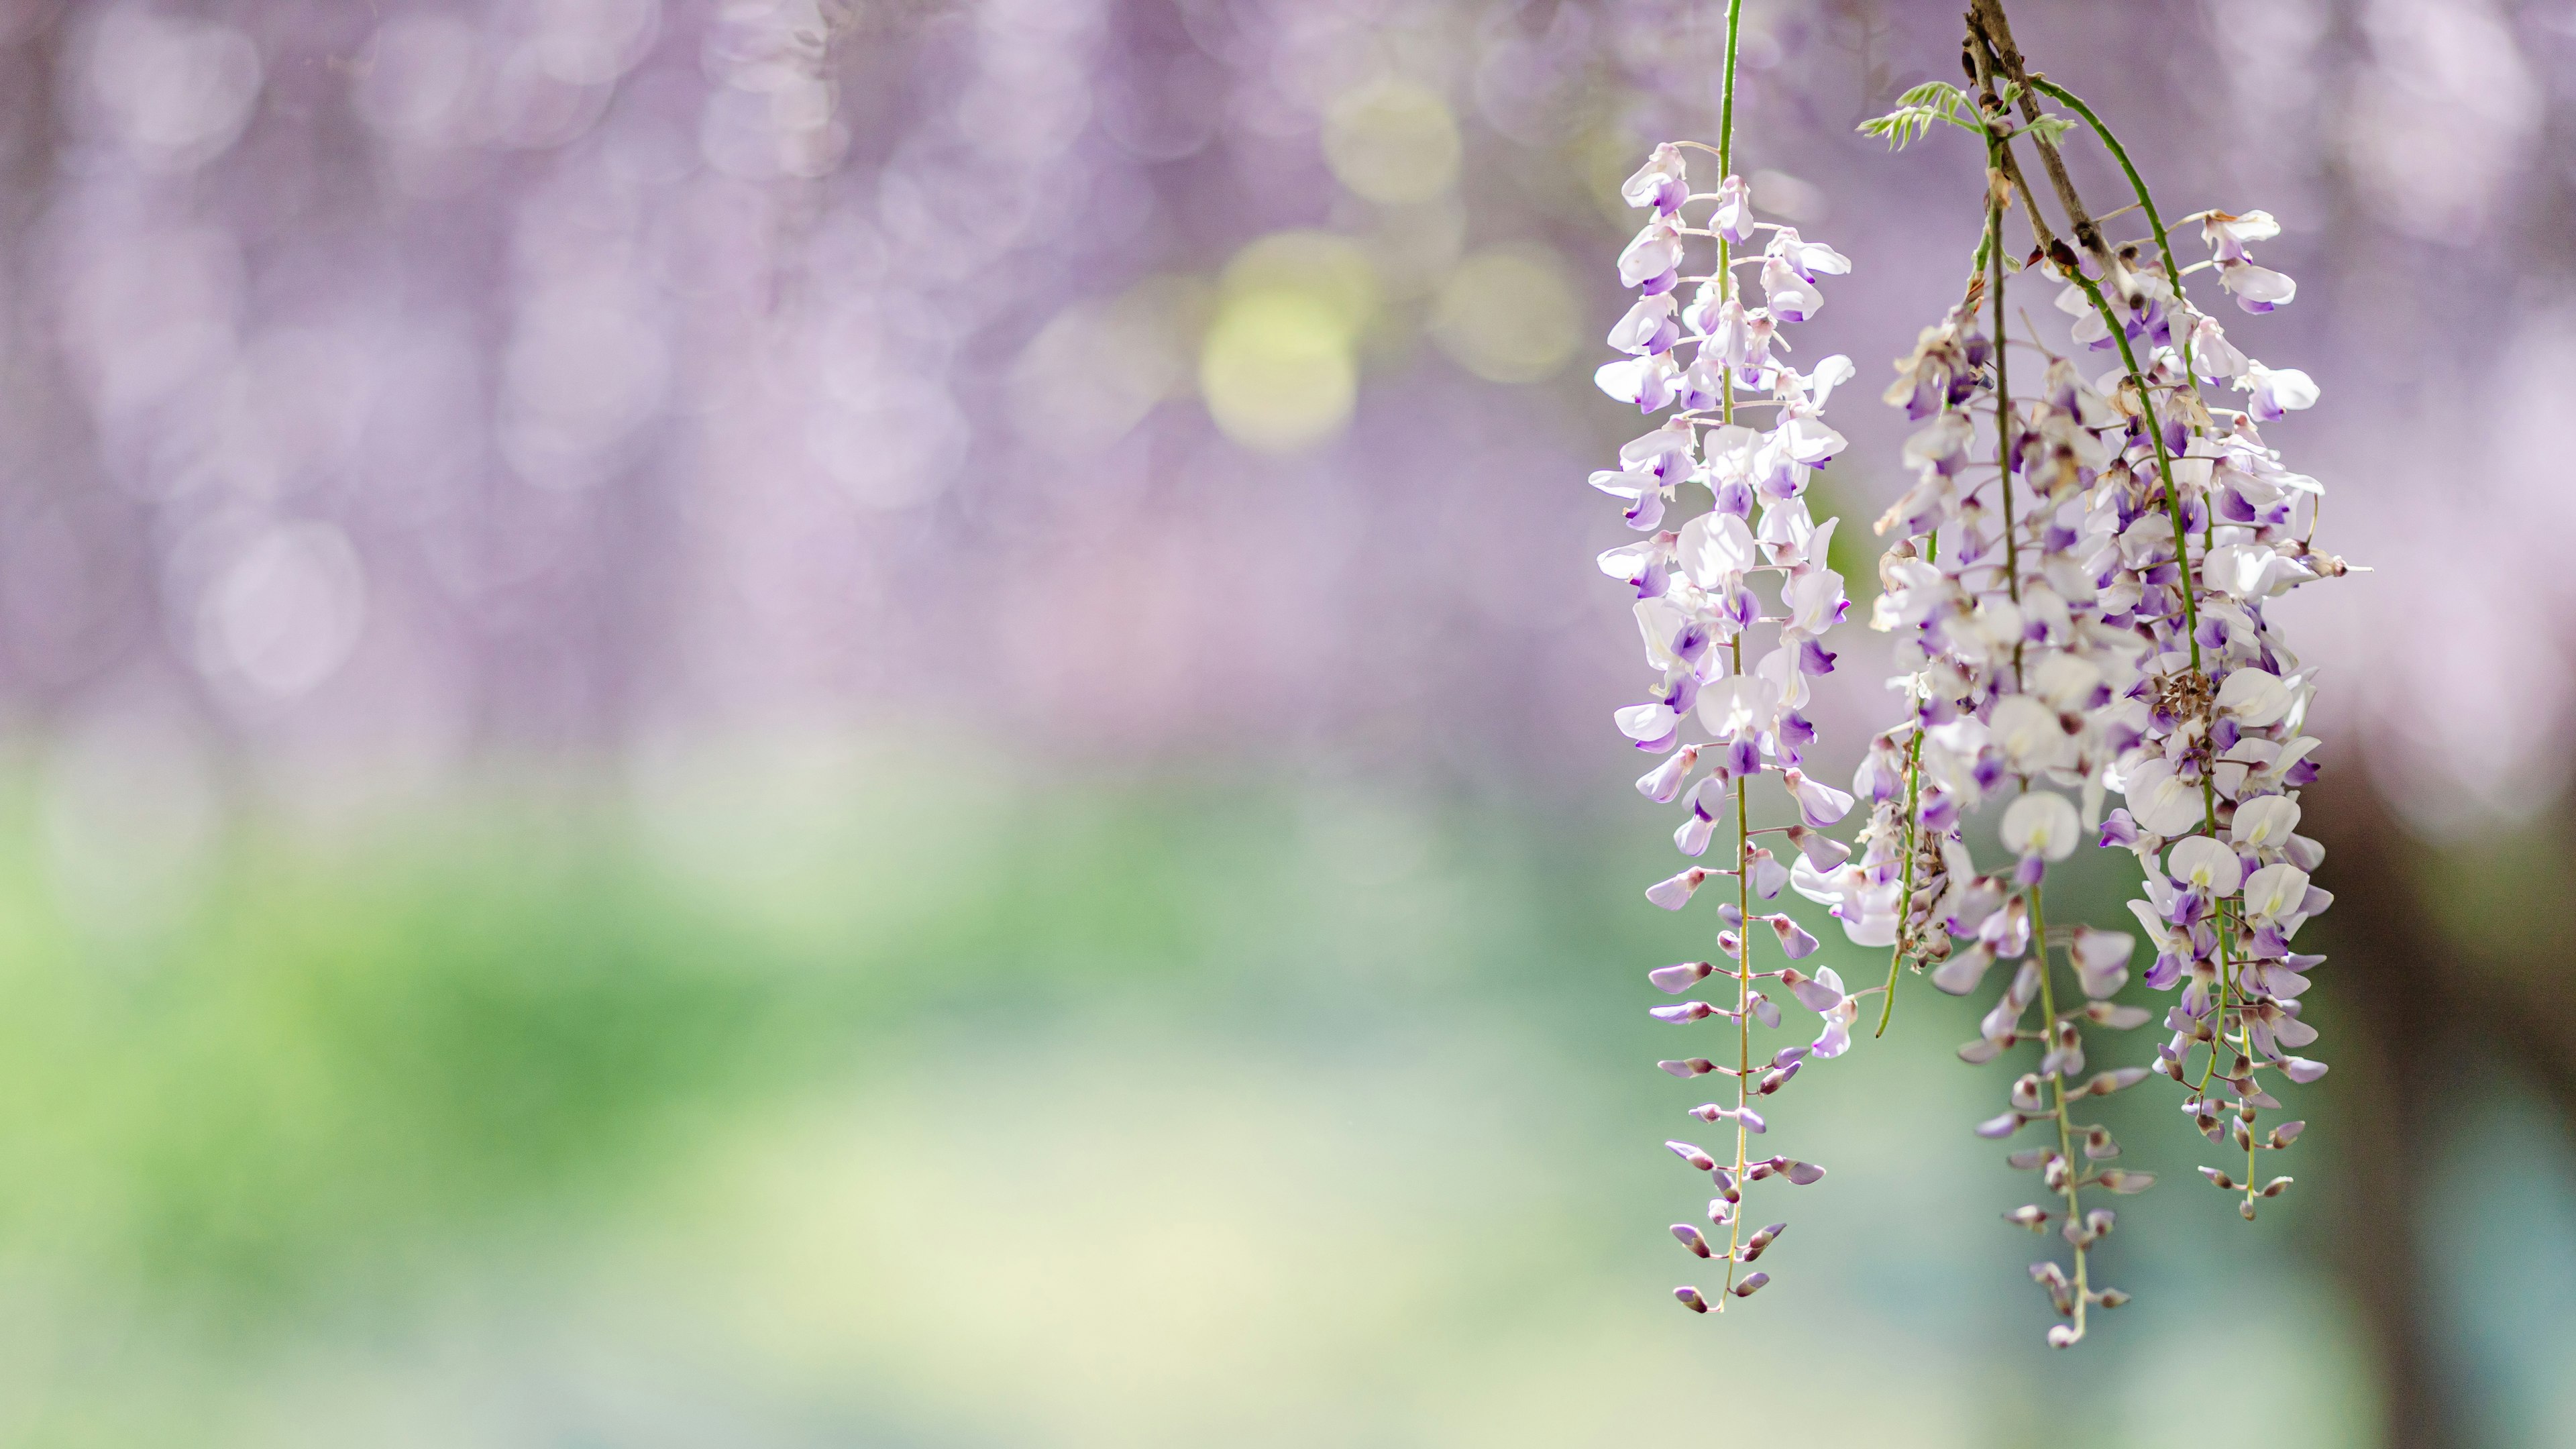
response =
{"points": [[1655, 251], [1806, 440], [2212, 355], [1819, 803], [2203, 862], [1649, 323], [1792, 540], [1736, 706], [1649, 721], [1656, 449], [1645, 383], [1642, 492], [2159, 799], [2275, 893], [2066, 681], [1733, 218], [2256, 697], [2227, 235], [2101, 959], [1660, 621], [2029, 734], [2041, 823], [1656, 183], [1779, 668], [2265, 823], [2257, 289], [1808, 258], [1829, 374], [1788, 296], [2253, 571], [2277, 392], [1815, 601], [1716, 549], [1629, 560]]}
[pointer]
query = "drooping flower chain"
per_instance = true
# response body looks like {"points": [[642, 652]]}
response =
{"points": [[1698, 612], [2061, 628]]}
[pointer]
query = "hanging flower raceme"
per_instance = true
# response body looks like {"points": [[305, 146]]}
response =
{"points": [[1733, 606], [2076, 589]]}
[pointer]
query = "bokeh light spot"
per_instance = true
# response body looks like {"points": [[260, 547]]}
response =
{"points": [[1280, 364], [1393, 143], [286, 612], [1099, 366], [1507, 314], [1278, 370]]}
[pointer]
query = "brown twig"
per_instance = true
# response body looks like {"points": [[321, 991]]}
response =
{"points": [[1993, 34], [1981, 70]]}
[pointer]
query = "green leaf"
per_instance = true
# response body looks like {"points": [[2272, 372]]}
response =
{"points": [[2051, 128], [1918, 110]]}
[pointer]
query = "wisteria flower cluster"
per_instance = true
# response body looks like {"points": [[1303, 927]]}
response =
{"points": [[2075, 591], [2077, 595], [1734, 605]]}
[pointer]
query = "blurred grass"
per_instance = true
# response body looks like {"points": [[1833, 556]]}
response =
{"points": [[353, 1050], [815, 1094]]}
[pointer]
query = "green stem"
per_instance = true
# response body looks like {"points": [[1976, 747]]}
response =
{"points": [[2003, 392], [1743, 986], [2164, 464], [1726, 111], [1913, 846], [2057, 1089], [1735, 647], [2120, 154], [2138, 184]]}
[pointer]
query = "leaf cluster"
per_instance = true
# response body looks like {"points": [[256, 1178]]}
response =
{"points": [[1936, 102]]}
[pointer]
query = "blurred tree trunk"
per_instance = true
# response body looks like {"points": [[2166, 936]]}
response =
{"points": [[2393, 1012], [2419, 1010]]}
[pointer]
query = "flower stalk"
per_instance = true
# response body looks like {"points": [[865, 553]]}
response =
{"points": [[1698, 613]]}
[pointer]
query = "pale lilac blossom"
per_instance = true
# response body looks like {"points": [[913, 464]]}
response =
{"points": [[1733, 605]]}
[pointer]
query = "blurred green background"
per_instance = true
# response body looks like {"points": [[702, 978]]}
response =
{"points": [[807, 1092]]}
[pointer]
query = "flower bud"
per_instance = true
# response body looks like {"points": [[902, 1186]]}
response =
{"points": [[1691, 1239], [1797, 945], [1674, 893], [1692, 1155], [1691, 1300], [2104, 1084], [1751, 1285], [1675, 979], [1754, 1245]]}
